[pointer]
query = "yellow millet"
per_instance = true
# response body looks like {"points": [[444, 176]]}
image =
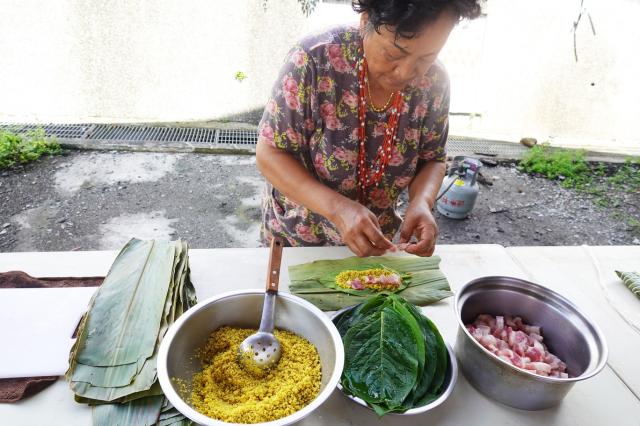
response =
{"points": [[343, 278], [225, 391]]}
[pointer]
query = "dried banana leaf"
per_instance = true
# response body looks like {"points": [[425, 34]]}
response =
{"points": [[148, 287], [172, 418], [631, 280], [118, 375], [169, 415], [140, 386], [423, 282], [130, 301], [183, 421], [104, 384], [141, 412]]}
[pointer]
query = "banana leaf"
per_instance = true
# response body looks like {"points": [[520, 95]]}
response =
{"points": [[170, 416], [154, 410], [127, 303], [182, 421], [141, 412], [104, 384], [118, 375], [140, 386], [113, 361], [631, 280], [423, 282]]}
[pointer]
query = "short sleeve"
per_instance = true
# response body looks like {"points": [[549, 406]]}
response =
{"points": [[435, 127], [288, 121]]}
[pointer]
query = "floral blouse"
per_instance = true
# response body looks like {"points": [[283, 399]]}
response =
{"points": [[313, 115]]}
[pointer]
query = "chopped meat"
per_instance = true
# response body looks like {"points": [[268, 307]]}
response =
{"points": [[517, 343], [357, 284]]}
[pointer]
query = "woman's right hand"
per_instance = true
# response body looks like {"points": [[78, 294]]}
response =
{"points": [[359, 229]]}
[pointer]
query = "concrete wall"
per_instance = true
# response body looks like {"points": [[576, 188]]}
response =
{"points": [[139, 60], [531, 84], [171, 60]]}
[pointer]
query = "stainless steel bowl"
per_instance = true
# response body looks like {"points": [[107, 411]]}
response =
{"points": [[450, 379], [567, 332], [176, 358]]}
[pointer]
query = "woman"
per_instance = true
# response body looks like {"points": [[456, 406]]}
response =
{"points": [[356, 116]]}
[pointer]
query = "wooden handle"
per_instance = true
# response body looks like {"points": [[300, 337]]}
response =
{"points": [[275, 258]]}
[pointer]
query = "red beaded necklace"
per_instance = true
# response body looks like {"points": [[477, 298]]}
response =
{"points": [[368, 177]]}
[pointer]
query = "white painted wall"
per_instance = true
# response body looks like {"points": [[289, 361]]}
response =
{"points": [[172, 60], [139, 60], [532, 85]]}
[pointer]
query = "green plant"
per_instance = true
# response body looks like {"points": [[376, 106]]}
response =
{"points": [[21, 149], [240, 76], [568, 165], [628, 174], [600, 170], [307, 6], [634, 224]]}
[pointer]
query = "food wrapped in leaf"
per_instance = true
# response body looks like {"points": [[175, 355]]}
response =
{"points": [[631, 280], [335, 284]]}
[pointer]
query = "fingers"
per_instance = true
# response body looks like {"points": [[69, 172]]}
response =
{"points": [[368, 240], [361, 231], [423, 248], [375, 236], [364, 248], [402, 246], [406, 229], [428, 233]]}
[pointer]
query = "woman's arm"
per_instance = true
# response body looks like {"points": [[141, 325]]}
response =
{"points": [[418, 220], [357, 225], [425, 185]]}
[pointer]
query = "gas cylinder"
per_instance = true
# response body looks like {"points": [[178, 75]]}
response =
{"points": [[459, 188]]}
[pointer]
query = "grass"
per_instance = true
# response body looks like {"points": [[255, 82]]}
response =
{"points": [[603, 183], [568, 166], [21, 149]]}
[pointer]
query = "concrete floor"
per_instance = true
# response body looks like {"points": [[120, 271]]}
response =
{"points": [[98, 200]]}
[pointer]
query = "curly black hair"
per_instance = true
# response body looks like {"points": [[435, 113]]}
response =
{"points": [[408, 17]]}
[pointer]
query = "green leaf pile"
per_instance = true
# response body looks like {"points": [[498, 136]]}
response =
{"points": [[112, 364], [422, 281], [395, 357]]}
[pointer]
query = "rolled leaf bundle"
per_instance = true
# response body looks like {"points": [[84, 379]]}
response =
{"points": [[631, 280], [336, 284], [113, 360]]}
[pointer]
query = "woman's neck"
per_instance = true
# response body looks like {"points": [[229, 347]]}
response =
{"points": [[378, 95]]}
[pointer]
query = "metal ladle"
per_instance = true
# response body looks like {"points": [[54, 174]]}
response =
{"points": [[261, 351]]}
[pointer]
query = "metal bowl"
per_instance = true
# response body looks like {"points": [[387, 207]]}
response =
{"points": [[189, 333], [450, 379], [567, 332]]}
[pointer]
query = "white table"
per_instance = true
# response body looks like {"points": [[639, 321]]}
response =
{"points": [[583, 274]]}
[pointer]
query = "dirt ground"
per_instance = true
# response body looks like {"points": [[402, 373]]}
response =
{"points": [[98, 200]]}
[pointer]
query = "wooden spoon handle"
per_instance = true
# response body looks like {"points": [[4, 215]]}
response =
{"points": [[275, 258]]}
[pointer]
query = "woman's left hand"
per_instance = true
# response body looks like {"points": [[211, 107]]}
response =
{"points": [[419, 221]]}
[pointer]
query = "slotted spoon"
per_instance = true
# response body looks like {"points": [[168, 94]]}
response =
{"points": [[261, 351]]}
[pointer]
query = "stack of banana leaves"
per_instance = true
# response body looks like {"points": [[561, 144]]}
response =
{"points": [[421, 281], [112, 365]]}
